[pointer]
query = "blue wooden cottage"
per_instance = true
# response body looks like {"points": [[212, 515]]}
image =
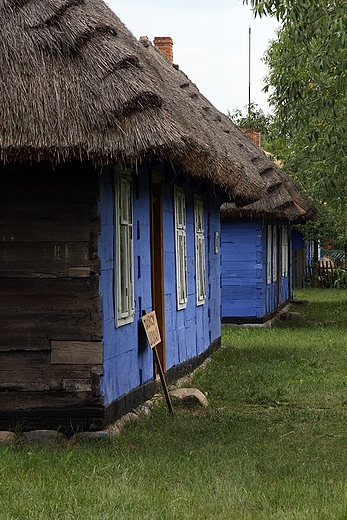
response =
{"points": [[113, 169], [256, 243]]}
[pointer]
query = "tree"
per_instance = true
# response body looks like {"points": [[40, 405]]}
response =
{"points": [[255, 119], [308, 79]]}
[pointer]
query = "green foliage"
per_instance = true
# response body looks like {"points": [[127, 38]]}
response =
{"points": [[308, 84], [255, 118], [341, 273], [252, 118]]}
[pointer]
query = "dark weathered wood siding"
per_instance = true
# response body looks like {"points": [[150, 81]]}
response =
{"points": [[50, 315]]}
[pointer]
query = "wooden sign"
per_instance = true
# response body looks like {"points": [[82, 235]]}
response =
{"points": [[151, 327], [153, 335]]}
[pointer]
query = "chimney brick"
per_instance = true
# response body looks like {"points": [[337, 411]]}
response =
{"points": [[254, 135], [165, 45]]}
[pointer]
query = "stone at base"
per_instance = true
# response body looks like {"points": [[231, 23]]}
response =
{"points": [[42, 437], [189, 396], [88, 436], [295, 316], [7, 437]]}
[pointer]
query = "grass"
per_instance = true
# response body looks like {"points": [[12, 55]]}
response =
{"points": [[271, 444]]}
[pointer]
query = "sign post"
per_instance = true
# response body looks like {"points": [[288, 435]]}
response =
{"points": [[153, 335]]}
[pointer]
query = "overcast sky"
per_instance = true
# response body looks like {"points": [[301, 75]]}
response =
{"points": [[210, 44]]}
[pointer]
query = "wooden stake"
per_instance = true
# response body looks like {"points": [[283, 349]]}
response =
{"points": [[153, 335], [163, 381]]}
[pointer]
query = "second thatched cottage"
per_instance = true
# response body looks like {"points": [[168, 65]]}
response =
{"points": [[256, 241]]}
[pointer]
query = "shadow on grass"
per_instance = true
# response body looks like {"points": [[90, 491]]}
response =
{"points": [[317, 314], [325, 307]]}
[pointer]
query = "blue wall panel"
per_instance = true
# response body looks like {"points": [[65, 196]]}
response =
{"points": [[241, 267], [190, 331], [245, 291], [128, 361], [298, 239]]}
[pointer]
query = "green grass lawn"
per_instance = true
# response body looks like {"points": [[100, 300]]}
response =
{"points": [[271, 445]]}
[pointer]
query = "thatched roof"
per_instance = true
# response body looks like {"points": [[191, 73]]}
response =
{"points": [[75, 83], [286, 202], [239, 159], [73, 86], [283, 199]]}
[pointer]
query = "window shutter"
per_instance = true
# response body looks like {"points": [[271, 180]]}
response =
{"points": [[269, 254], [181, 247], [199, 250], [285, 252], [124, 261], [274, 255]]}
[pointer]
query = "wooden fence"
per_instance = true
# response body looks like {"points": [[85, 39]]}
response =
{"points": [[327, 274], [328, 271]]}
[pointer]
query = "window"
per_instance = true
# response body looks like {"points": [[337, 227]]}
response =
{"points": [[124, 262], [181, 248], [274, 254], [269, 254], [199, 250], [285, 252]]}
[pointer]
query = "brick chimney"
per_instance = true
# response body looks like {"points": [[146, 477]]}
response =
{"points": [[254, 135], [165, 45]]}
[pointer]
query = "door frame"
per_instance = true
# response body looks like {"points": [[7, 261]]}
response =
{"points": [[157, 261]]}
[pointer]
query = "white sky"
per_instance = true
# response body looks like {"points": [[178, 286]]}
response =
{"points": [[210, 44]]}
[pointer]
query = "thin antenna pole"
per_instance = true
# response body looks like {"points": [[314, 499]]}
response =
{"points": [[249, 71]]}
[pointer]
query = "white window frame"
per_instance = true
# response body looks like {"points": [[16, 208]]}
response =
{"points": [[199, 229], [269, 255], [285, 251], [123, 248], [181, 247], [274, 254]]}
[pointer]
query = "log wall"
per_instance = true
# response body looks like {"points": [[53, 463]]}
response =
{"points": [[50, 310]]}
